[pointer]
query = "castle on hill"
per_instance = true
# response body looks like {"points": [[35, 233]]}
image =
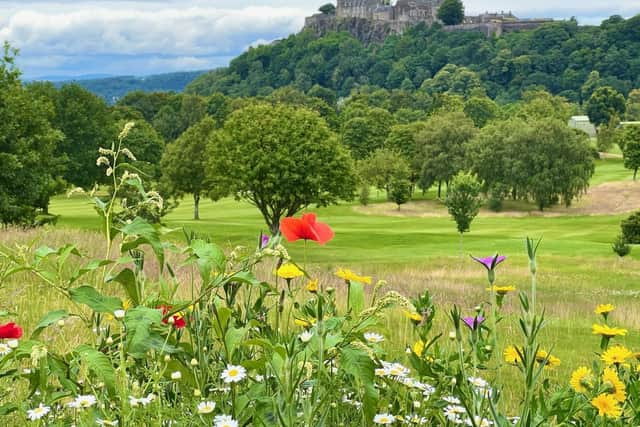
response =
{"points": [[373, 20]]}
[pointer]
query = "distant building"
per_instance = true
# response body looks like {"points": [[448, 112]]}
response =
{"points": [[584, 124]]}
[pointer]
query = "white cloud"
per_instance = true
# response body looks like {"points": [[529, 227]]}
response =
{"points": [[135, 37]]}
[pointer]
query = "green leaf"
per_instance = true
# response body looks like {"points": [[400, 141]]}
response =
{"points": [[48, 319], [146, 234], [209, 256], [100, 365], [140, 337], [233, 338], [246, 277], [358, 364], [356, 297], [127, 279], [8, 408], [95, 300]]}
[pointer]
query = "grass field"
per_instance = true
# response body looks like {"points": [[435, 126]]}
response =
{"points": [[577, 266]]}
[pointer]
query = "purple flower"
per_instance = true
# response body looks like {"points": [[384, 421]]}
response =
{"points": [[473, 322], [490, 262], [264, 240]]}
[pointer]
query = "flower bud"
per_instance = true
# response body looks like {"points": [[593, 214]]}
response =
{"points": [[194, 362], [176, 375], [61, 323], [167, 358], [109, 340]]}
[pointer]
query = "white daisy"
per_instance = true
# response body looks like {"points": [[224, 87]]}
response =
{"points": [[479, 422], [478, 382], [102, 422], [453, 413], [39, 412], [224, 421], [119, 314], [4, 349], [452, 400], [83, 401], [373, 338], [305, 336], [384, 419], [233, 374], [206, 407]]}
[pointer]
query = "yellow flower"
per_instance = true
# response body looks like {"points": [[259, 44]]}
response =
{"points": [[511, 355], [581, 379], [607, 406], [413, 316], [549, 361], [604, 308], [126, 304], [289, 271], [312, 285], [418, 348], [616, 355], [350, 276], [502, 290], [607, 331], [304, 322], [616, 388]]}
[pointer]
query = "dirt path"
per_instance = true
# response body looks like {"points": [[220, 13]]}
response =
{"points": [[605, 199]]}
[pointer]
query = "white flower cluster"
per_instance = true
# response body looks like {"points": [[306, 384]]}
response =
{"points": [[141, 401]]}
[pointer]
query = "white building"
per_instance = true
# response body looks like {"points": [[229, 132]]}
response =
{"points": [[584, 124]]}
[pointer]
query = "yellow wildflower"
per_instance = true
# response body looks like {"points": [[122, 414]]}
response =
{"points": [[607, 331], [413, 316], [289, 271], [607, 406], [615, 387], [418, 348], [502, 290], [549, 361], [312, 286], [126, 304], [350, 276], [581, 379], [616, 355], [604, 308], [304, 322], [512, 356]]}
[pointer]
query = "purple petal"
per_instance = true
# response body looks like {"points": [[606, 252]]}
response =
{"points": [[264, 241], [490, 262], [473, 322]]}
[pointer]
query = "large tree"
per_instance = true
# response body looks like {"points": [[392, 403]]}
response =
{"points": [[27, 144], [279, 158], [606, 104], [451, 12], [443, 147], [184, 163]]}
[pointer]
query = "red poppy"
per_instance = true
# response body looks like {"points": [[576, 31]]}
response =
{"points": [[10, 330], [178, 319], [306, 228]]}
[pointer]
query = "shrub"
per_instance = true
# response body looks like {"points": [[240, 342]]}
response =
{"points": [[631, 228], [364, 195], [621, 247]]}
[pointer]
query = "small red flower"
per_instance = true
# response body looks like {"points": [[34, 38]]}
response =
{"points": [[10, 330], [306, 228], [178, 320]]}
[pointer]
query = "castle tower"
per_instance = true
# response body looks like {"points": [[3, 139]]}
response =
{"points": [[357, 8]]}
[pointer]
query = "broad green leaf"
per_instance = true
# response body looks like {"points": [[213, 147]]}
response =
{"points": [[246, 277], [48, 319], [140, 337], [233, 338], [146, 234], [100, 365], [358, 364], [95, 300], [209, 257], [127, 279]]}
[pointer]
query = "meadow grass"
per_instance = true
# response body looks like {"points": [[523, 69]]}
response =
{"points": [[577, 266]]}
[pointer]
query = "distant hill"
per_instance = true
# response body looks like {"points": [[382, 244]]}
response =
{"points": [[114, 88]]}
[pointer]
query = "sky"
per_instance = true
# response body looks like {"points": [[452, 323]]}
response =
{"points": [[125, 37]]}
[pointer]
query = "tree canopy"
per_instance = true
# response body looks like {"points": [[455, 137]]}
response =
{"points": [[451, 12], [279, 158]]}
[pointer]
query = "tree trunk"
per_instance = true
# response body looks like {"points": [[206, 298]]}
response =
{"points": [[635, 172], [439, 189], [460, 246], [196, 207], [274, 228]]}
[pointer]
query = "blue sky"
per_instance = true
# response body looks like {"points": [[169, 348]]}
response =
{"points": [[116, 37]]}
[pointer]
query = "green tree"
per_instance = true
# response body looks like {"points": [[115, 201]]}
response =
{"points": [[631, 154], [27, 144], [383, 167], [481, 110], [443, 148], [463, 201], [367, 131], [327, 9], [633, 105], [606, 104], [87, 125], [279, 158], [184, 163], [451, 12], [400, 191]]}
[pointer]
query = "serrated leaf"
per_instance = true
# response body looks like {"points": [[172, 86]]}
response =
{"points": [[100, 365]]}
